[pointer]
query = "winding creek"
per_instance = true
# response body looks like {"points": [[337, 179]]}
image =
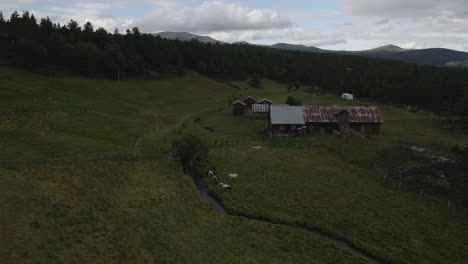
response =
{"points": [[218, 208]]}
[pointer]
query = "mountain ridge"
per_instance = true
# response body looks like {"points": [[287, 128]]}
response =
{"points": [[431, 56]]}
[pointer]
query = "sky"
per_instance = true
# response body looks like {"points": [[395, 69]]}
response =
{"points": [[327, 24]]}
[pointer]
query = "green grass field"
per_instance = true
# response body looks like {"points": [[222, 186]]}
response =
{"points": [[71, 193]]}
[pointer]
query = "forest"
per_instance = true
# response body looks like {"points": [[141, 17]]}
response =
{"points": [[53, 48]]}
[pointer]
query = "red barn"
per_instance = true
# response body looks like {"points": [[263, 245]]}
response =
{"points": [[290, 120], [286, 120], [324, 119]]}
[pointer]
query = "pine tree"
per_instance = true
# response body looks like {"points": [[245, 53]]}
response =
{"points": [[1, 17]]}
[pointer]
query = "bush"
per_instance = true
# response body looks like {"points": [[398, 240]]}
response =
{"points": [[189, 148], [293, 101], [255, 81]]}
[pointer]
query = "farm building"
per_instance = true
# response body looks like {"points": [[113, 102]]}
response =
{"points": [[347, 96], [260, 110], [264, 101], [238, 107], [286, 120], [249, 101], [324, 119]]}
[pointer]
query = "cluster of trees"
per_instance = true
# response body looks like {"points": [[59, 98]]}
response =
{"points": [[293, 101], [26, 42]]}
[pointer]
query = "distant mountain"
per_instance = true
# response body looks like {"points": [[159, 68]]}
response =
{"points": [[286, 46], [184, 36], [434, 56], [390, 48]]}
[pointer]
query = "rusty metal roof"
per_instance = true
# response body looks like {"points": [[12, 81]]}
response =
{"points": [[260, 108], [356, 114], [286, 114]]}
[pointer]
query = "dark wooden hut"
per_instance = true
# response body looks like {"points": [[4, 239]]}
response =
{"points": [[249, 101], [238, 107]]}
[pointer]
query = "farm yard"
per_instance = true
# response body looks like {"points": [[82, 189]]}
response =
{"points": [[84, 178]]}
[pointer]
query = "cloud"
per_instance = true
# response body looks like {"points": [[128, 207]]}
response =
{"points": [[405, 8], [104, 20], [210, 17], [329, 42], [297, 35], [165, 4]]}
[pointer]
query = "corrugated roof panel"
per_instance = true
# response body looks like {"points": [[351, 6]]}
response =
{"points": [[286, 114], [260, 108], [357, 114]]}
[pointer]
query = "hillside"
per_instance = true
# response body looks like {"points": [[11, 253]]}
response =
{"points": [[55, 49], [184, 36], [85, 177], [434, 56]]}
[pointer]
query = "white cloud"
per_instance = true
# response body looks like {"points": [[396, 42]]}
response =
{"points": [[210, 17], [406, 8], [329, 42], [296, 35]]}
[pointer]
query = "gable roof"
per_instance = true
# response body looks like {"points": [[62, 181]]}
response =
{"points": [[286, 114], [238, 102], [249, 97], [356, 114], [264, 100], [260, 108]]}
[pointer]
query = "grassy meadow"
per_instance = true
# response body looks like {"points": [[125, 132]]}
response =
{"points": [[71, 191]]}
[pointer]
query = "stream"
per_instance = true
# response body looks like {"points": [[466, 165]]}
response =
{"points": [[218, 208]]}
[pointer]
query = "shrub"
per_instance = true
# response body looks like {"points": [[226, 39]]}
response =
{"points": [[189, 148], [293, 101]]}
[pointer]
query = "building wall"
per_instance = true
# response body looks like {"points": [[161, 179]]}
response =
{"points": [[237, 110], [288, 130], [249, 104], [327, 128]]}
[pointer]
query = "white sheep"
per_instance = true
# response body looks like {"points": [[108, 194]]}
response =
{"points": [[224, 187], [210, 173], [232, 176]]}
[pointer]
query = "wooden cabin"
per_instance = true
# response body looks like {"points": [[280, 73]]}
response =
{"points": [[249, 101], [238, 107]]}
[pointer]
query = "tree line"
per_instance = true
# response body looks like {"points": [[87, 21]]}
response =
{"points": [[87, 51]]}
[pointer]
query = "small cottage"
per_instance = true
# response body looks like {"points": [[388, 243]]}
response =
{"points": [[249, 101], [238, 107], [347, 96]]}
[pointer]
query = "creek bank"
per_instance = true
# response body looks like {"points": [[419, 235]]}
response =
{"points": [[218, 208]]}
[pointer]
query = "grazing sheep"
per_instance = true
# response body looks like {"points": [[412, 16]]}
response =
{"points": [[224, 187], [210, 173], [215, 178], [233, 176]]}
